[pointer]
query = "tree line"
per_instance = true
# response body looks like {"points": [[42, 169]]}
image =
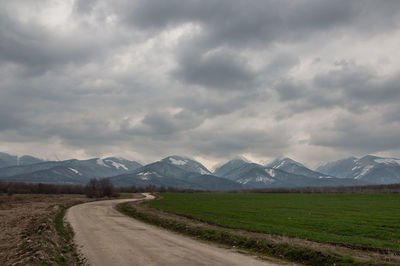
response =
{"points": [[97, 188], [367, 189]]}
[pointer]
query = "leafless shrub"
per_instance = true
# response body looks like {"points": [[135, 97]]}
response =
{"points": [[100, 188]]}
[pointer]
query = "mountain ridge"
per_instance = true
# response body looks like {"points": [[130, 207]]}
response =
{"points": [[14, 160], [182, 171], [371, 169]]}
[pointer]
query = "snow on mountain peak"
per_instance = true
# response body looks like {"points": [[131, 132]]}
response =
{"points": [[387, 160], [147, 174], [264, 179], [203, 172], [177, 161], [364, 171], [279, 163], [74, 170], [101, 162], [117, 165], [271, 172]]}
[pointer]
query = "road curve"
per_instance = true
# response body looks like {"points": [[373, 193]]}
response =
{"points": [[106, 237]]}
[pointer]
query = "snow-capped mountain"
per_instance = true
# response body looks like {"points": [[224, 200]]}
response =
{"points": [[370, 169], [57, 174], [120, 163], [341, 168], [290, 166], [12, 160], [174, 171], [82, 170], [230, 165], [180, 171], [187, 164], [257, 176]]}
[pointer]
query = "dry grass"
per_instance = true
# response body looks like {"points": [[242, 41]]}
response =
{"points": [[28, 233]]}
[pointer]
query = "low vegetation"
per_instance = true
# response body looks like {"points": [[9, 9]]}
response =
{"points": [[310, 227], [239, 221], [359, 220]]}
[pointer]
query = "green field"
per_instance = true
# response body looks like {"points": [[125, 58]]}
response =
{"points": [[358, 219]]}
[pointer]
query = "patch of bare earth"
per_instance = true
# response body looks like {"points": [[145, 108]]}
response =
{"points": [[361, 254], [28, 233]]}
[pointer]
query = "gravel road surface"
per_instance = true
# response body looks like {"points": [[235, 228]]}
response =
{"points": [[106, 237]]}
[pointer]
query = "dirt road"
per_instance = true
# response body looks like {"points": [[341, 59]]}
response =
{"points": [[106, 237]]}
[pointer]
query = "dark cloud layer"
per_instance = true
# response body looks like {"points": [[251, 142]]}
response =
{"points": [[215, 70], [367, 135], [212, 79]]}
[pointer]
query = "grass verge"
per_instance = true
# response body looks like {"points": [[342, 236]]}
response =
{"points": [[66, 235], [261, 246]]}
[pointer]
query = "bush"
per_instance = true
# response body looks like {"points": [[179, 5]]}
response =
{"points": [[99, 188]]}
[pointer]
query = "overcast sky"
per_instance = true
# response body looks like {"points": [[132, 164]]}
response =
{"points": [[210, 79]]}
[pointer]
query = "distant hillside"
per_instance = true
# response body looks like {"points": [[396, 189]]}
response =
{"points": [[13, 160], [293, 167], [73, 171], [175, 171], [184, 172], [186, 164], [369, 169], [229, 166], [257, 176]]}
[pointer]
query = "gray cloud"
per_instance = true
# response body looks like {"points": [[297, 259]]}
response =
{"points": [[165, 125], [215, 69], [144, 79], [229, 141], [257, 21], [348, 86], [360, 84], [359, 133], [290, 90], [31, 46], [84, 6]]}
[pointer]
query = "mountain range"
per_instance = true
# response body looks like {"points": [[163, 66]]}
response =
{"points": [[69, 171], [370, 169], [184, 172], [281, 173], [175, 171], [12, 160]]}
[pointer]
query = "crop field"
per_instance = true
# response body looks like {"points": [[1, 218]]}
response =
{"points": [[368, 220]]}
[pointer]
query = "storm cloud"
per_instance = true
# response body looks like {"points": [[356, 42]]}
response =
{"points": [[312, 80]]}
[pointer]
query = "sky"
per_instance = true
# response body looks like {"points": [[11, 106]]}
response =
{"points": [[311, 80]]}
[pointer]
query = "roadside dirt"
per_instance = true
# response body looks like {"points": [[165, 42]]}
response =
{"points": [[107, 237], [367, 256], [27, 229]]}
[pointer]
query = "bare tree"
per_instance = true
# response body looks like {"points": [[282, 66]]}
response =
{"points": [[99, 188], [91, 188]]}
